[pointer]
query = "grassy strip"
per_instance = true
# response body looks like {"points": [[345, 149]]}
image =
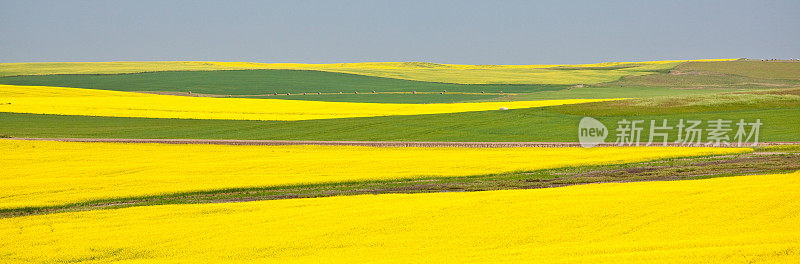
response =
{"points": [[689, 78], [763, 161], [787, 70], [700, 80], [729, 102], [720, 74]]}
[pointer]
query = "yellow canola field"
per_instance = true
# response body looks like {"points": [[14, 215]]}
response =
{"points": [[113, 67], [90, 102], [38, 173], [745, 219], [418, 71]]}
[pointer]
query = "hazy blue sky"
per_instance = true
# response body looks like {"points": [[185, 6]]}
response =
{"points": [[468, 32]]}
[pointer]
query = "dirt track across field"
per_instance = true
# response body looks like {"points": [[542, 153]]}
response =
{"points": [[360, 143]]}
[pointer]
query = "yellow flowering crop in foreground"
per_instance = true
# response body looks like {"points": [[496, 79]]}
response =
{"points": [[418, 71], [90, 102], [745, 219], [36, 173]]}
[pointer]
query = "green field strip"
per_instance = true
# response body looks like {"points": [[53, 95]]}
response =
{"points": [[262, 82], [547, 124]]}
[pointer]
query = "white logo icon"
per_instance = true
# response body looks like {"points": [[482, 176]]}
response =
{"points": [[591, 132]]}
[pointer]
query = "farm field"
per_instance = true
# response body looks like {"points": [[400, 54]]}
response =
{"points": [[725, 95], [490, 74], [90, 102], [417, 71], [151, 202], [125, 170], [749, 219], [540, 125], [399, 132], [46, 68], [291, 84], [264, 83], [758, 161], [778, 112]]}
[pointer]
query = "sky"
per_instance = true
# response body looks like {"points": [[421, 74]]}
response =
{"points": [[461, 32]]}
